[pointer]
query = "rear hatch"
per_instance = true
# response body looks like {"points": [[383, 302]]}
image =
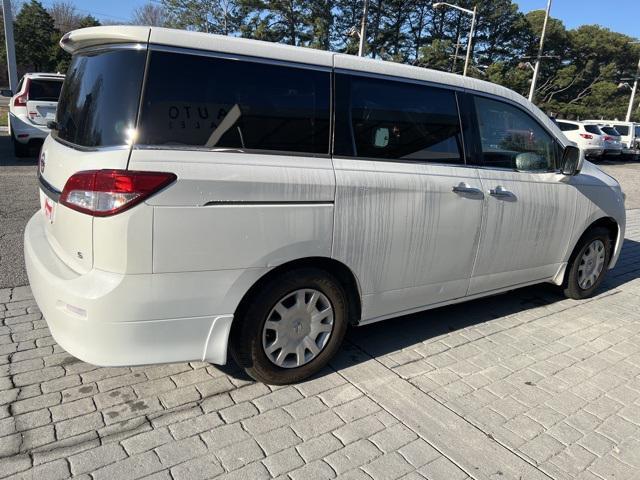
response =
{"points": [[95, 119], [42, 99]]}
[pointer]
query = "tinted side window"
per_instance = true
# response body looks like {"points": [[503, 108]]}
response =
{"points": [[211, 102], [566, 127], [593, 129], [45, 90], [512, 139], [622, 129], [397, 121]]}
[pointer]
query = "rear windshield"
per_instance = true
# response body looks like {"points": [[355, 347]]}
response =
{"points": [[610, 131], [593, 129], [99, 100], [44, 90], [622, 129], [637, 130]]}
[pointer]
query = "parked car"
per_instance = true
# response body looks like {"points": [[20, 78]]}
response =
{"points": [[276, 195], [612, 143], [588, 137], [31, 107], [629, 133]]}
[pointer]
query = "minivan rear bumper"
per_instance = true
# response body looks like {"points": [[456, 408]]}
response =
{"points": [[99, 317]]}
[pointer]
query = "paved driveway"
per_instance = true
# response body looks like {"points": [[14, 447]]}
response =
{"points": [[525, 385]]}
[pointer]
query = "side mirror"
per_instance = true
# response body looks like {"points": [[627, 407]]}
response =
{"points": [[5, 92], [572, 160]]}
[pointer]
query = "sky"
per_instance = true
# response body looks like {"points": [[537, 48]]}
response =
{"points": [[620, 16]]}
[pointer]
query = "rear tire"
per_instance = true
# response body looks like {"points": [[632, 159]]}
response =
{"points": [[20, 150], [307, 313], [588, 264]]}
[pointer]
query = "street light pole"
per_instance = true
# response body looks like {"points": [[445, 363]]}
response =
{"points": [[11, 50], [633, 95], [363, 28], [473, 24], [536, 69]]}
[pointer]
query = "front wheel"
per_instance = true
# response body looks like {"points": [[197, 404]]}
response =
{"points": [[588, 264], [292, 327]]}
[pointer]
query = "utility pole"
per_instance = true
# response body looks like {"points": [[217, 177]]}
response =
{"points": [[536, 69], [363, 28], [10, 44], [633, 94]]}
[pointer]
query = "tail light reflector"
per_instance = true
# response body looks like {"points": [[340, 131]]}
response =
{"points": [[586, 135], [102, 193]]}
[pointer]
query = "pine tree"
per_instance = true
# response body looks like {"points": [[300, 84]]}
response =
{"points": [[34, 34]]}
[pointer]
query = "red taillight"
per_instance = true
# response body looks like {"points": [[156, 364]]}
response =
{"points": [[106, 192], [586, 135], [607, 138], [21, 100]]}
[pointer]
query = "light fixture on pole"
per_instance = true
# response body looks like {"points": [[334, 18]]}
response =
{"points": [[536, 69], [633, 92], [363, 28], [473, 24]]}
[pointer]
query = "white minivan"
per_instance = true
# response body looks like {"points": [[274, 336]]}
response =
{"points": [[203, 194]]}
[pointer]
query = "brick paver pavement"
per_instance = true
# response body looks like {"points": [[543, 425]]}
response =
{"points": [[522, 385]]}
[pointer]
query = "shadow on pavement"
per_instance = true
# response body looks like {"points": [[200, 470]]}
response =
{"points": [[8, 159]]}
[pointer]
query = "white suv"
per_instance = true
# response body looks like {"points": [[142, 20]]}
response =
{"points": [[589, 138], [629, 134], [31, 107], [274, 195]]}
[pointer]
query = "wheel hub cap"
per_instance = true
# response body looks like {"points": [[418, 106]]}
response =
{"points": [[591, 264], [298, 328]]}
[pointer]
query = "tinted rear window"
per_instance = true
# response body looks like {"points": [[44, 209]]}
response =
{"points": [[593, 129], [45, 90], [610, 131], [393, 120], [209, 102], [99, 100], [622, 129]]}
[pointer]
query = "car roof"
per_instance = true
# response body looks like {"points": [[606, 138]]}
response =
{"points": [[104, 35], [44, 75]]}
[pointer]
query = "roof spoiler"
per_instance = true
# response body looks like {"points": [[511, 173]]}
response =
{"points": [[93, 36]]}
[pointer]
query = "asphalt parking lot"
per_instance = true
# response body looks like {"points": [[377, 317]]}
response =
{"points": [[525, 385]]}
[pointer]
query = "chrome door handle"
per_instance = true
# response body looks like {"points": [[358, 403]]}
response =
{"points": [[500, 191], [464, 187]]}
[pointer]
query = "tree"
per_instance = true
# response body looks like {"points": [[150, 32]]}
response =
{"points": [[150, 14], [213, 16], [65, 16], [34, 32]]}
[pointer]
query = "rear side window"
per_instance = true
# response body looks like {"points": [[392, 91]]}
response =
{"points": [[511, 139], [100, 97], [198, 101], [622, 129], [45, 90], [393, 120], [593, 129], [566, 127]]}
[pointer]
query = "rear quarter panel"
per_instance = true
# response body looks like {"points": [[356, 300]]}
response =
{"points": [[238, 210]]}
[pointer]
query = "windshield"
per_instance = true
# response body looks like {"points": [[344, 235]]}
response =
{"points": [[44, 90], [99, 100], [637, 130]]}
